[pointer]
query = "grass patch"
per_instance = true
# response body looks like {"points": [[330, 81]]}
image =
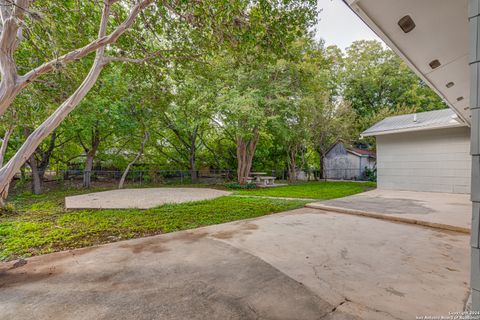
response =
{"points": [[41, 225], [323, 190]]}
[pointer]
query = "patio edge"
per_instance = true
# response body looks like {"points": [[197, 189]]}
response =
{"points": [[376, 215]]}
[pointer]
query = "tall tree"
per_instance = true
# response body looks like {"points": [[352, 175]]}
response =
{"points": [[187, 118], [375, 77], [172, 29], [329, 121]]}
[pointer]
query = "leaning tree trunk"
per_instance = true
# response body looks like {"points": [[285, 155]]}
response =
{"points": [[245, 153], [51, 123], [127, 169], [8, 171]]}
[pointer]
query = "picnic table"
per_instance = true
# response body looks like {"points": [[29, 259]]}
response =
{"points": [[256, 176], [260, 178]]}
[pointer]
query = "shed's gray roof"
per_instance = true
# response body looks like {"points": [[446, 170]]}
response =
{"points": [[444, 118]]}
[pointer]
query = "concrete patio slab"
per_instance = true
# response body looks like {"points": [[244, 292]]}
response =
{"points": [[140, 198], [439, 210], [302, 264]]}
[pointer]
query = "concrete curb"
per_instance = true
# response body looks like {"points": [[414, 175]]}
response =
{"points": [[272, 197], [381, 216]]}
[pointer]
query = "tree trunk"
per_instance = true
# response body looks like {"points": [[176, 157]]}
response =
{"points": [[193, 167], [37, 176], [292, 162], [322, 167], [8, 171], [245, 153], [11, 83], [90, 153], [127, 169], [3, 151], [87, 172], [192, 158], [5, 140]]}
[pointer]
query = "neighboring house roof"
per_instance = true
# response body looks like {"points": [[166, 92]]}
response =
{"points": [[356, 151], [437, 119], [362, 152]]}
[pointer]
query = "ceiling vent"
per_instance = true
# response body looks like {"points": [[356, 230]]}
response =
{"points": [[434, 64], [406, 24]]}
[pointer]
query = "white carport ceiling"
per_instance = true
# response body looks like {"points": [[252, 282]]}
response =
{"points": [[441, 33]]}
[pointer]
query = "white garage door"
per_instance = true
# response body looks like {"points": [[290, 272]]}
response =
{"points": [[432, 160]]}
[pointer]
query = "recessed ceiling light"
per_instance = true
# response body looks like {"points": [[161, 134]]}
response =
{"points": [[450, 84], [406, 24], [459, 98], [434, 64]]}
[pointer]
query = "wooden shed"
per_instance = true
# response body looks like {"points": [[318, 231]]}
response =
{"points": [[343, 162]]}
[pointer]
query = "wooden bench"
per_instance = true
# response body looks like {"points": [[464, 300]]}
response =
{"points": [[266, 181]]}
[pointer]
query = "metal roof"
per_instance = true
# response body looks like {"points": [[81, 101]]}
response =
{"points": [[437, 119]]}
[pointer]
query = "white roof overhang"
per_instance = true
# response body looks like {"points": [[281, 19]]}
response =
{"points": [[441, 33], [416, 129]]}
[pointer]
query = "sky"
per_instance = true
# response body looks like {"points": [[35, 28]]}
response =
{"points": [[338, 25]]}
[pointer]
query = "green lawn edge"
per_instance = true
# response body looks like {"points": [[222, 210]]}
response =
{"points": [[321, 190], [41, 225]]}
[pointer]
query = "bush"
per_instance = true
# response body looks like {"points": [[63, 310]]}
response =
{"points": [[371, 174], [7, 209], [240, 186]]}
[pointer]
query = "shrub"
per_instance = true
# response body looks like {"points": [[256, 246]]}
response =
{"points": [[371, 174], [7, 209], [236, 185]]}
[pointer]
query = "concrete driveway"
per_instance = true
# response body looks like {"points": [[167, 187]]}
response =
{"points": [[302, 264], [447, 211]]}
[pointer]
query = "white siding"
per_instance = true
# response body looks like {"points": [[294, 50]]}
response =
{"points": [[432, 160]]}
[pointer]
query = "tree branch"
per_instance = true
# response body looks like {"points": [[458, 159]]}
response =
{"points": [[12, 84]]}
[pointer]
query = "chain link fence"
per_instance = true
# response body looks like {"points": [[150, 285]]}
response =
{"points": [[99, 178]]}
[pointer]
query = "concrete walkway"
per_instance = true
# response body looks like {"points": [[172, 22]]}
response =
{"points": [[439, 210], [140, 198], [302, 264]]}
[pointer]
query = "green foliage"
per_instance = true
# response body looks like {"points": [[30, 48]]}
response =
{"points": [[221, 73], [371, 174], [43, 226], [375, 77], [7, 209], [240, 186], [313, 190]]}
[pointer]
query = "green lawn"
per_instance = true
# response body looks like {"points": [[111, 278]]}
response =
{"points": [[323, 190], [40, 225]]}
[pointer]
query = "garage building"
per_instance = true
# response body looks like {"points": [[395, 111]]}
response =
{"points": [[428, 151]]}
